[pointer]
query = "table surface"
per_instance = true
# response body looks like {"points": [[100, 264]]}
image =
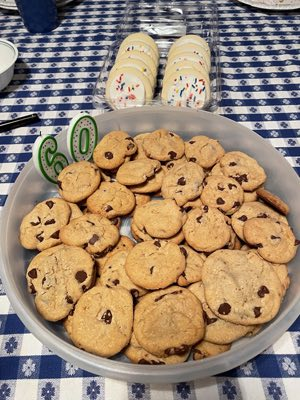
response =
{"points": [[54, 76]]}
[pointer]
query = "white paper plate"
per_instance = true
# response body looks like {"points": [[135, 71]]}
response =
{"points": [[30, 188], [292, 5], [11, 4]]}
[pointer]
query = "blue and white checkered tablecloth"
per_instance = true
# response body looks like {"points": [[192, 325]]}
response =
{"points": [[54, 76]]}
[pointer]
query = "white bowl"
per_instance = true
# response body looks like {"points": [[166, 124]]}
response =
{"points": [[8, 56], [30, 188]]}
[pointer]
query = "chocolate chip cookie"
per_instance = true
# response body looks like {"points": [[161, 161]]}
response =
{"points": [[92, 232], [204, 151], [163, 145], [155, 264], [113, 148], [40, 228], [58, 277], [78, 181], [167, 322], [137, 171]]}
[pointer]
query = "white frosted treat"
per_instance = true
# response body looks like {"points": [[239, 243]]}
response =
{"points": [[186, 87], [191, 39], [189, 57], [137, 64], [172, 68], [193, 49], [138, 55], [139, 46], [142, 37], [128, 87]]}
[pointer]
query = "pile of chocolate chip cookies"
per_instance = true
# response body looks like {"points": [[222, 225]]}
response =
{"points": [[206, 263]]}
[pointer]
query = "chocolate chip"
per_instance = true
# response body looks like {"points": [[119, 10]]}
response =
{"points": [[236, 204], [262, 215], [198, 219], [157, 243], [32, 289], [193, 159], [80, 276], [184, 252], [220, 201], [220, 188], [178, 351], [232, 164], [40, 237], [224, 309], [36, 223], [205, 209], [43, 280], [108, 208], [181, 181], [107, 317], [93, 239], [55, 235], [257, 311], [243, 218], [171, 165], [108, 155], [129, 138], [231, 185], [262, 291], [130, 146], [258, 245], [171, 134], [50, 203], [90, 222], [240, 178], [59, 184], [192, 141], [208, 320], [275, 237], [69, 299], [172, 155], [50, 222], [32, 273], [115, 221], [151, 269], [297, 242], [116, 282], [186, 209]]}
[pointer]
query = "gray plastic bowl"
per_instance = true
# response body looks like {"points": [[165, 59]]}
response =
{"points": [[30, 188], [8, 57]]}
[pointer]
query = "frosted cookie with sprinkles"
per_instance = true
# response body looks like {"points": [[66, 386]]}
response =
{"points": [[193, 49], [241, 287], [127, 87], [190, 39], [139, 46], [141, 37], [40, 228], [186, 88], [168, 321], [138, 55], [136, 64]]}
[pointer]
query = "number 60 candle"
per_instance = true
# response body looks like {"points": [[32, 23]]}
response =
{"points": [[47, 161]]}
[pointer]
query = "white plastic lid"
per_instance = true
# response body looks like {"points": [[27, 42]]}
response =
{"points": [[8, 54]]}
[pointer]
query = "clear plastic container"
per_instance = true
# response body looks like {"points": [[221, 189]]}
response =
{"points": [[30, 188], [165, 22]]}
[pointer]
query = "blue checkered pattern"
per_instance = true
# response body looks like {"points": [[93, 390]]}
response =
{"points": [[54, 76]]}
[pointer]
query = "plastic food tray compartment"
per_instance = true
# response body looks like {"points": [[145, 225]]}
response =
{"points": [[165, 23]]}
